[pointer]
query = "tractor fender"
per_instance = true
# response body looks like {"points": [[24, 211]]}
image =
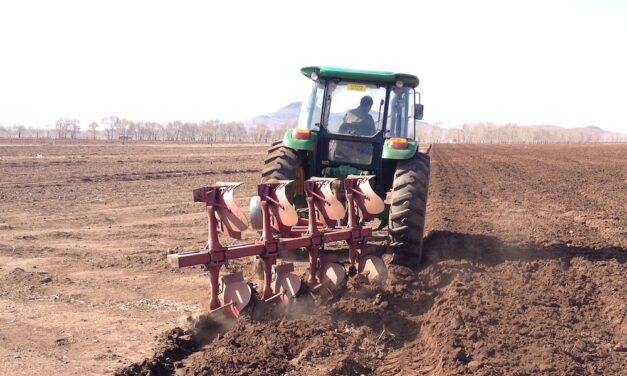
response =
{"points": [[308, 144], [391, 153]]}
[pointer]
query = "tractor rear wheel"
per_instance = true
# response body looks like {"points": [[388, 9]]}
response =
{"points": [[408, 209], [282, 163]]}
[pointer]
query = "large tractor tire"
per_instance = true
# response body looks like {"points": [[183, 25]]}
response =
{"points": [[282, 163], [408, 208]]}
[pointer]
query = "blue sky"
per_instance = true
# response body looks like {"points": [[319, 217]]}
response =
{"points": [[525, 62]]}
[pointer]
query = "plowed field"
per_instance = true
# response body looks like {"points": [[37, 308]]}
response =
{"points": [[525, 269]]}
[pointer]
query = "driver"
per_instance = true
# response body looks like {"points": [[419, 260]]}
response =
{"points": [[358, 121]]}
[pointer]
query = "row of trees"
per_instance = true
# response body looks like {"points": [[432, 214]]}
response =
{"points": [[485, 132], [115, 128]]}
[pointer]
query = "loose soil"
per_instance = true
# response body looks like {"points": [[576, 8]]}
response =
{"points": [[524, 272]]}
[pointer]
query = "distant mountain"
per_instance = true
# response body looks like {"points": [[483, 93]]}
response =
{"points": [[589, 128], [424, 124], [278, 118], [592, 128]]}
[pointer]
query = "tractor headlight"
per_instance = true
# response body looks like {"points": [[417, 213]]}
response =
{"points": [[314, 76]]}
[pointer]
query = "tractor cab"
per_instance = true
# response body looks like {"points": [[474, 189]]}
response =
{"points": [[359, 119]]}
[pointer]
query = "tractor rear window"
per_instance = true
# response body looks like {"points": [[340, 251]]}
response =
{"points": [[355, 108], [350, 152]]}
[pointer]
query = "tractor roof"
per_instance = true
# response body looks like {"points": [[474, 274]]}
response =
{"points": [[361, 75]]}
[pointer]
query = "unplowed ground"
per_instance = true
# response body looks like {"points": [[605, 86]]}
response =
{"points": [[525, 269]]}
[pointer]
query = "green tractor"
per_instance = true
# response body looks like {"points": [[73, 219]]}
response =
{"points": [[361, 122]]}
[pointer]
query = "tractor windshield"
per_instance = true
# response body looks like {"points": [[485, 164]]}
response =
{"points": [[400, 122], [355, 108]]}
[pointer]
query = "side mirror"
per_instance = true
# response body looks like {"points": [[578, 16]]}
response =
{"points": [[418, 111]]}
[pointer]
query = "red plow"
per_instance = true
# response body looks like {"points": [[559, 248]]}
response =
{"points": [[283, 230]]}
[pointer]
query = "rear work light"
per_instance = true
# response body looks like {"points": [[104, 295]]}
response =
{"points": [[398, 143], [301, 134]]}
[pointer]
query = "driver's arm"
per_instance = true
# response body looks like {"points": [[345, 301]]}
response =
{"points": [[368, 127]]}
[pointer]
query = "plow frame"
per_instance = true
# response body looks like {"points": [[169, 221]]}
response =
{"points": [[283, 231]]}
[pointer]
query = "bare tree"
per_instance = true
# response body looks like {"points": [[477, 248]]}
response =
{"points": [[64, 124], [153, 129], [19, 129], [173, 130], [278, 132], [188, 131], [75, 128], [120, 128], [208, 130], [93, 127], [4, 132], [131, 130], [236, 132], [111, 124], [260, 133]]}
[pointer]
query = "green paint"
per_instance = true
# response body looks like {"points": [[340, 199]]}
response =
{"points": [[298, 144], [361, 75], [389, 153]]}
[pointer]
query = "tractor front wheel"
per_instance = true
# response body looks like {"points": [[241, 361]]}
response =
{"points": [[408, 208]]}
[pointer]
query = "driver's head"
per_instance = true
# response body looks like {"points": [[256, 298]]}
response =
{"points": [[366, 103]]}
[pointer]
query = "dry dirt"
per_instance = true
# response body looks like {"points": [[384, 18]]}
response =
{"points": [[525, 269]]}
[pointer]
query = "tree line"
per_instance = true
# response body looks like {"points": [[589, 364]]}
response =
{"points": [[490, 133], [113, 128]]}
